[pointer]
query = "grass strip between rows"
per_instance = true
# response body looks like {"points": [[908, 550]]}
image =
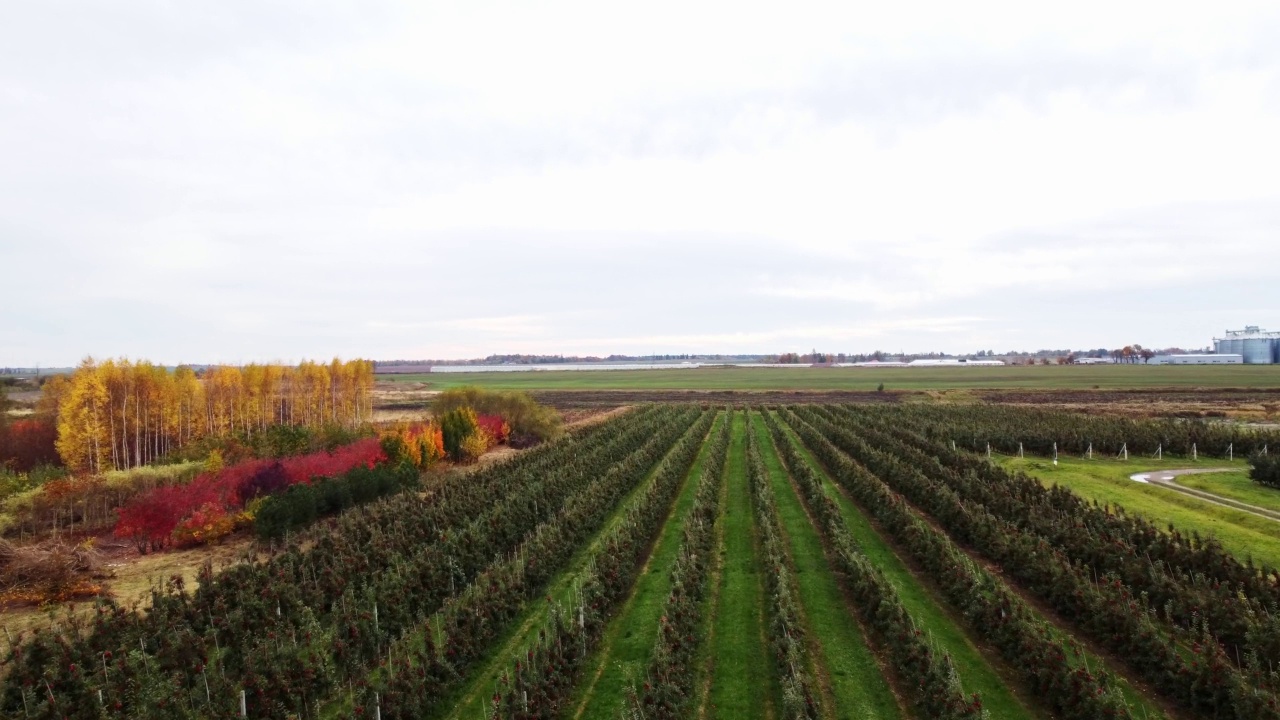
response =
{"points": [[1194, 591], [423, 669], [541, 680], [858, 684], [743, 680], [935, 685], [1055, 628], [1200, 678], [628, 637], [977, 671], [669, 680], [992, 609], [788, 636]]}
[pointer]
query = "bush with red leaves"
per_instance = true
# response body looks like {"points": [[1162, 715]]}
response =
{"points": [[25, 444], [150, 519]]}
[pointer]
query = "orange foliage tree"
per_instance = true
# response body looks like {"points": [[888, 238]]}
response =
{"points": [[419, 443]]}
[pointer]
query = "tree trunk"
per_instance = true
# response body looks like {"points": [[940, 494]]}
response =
{"points": [[137, 433]]}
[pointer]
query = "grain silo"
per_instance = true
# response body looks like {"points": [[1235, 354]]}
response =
{"points": [[1257, 351], [1227, 345], [1257, 346]]}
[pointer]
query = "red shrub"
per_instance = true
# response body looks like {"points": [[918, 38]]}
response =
{"points": [[25, 444], [367, 452], [495, 426], [206, 524], [153, 516]]}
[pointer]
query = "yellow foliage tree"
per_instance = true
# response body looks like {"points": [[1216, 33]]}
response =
{"points": [[83, 435], [121, 414]]}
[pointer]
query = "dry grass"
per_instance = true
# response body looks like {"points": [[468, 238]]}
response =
{"points": [[111, 569], [389, 416], [586, 417], [497, 454], [411, 396], [135, 575]]}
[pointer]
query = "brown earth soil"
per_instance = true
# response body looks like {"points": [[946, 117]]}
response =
{"points": [[586, 417], [389, 395], [577, 399], [398, 401], [1237, 403]]}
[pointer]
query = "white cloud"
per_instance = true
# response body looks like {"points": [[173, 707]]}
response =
{"points": [[400, 179]]}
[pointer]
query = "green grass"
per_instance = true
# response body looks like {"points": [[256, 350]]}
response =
{"points": [[472, 699], [976, 673], [629, 638], [1235, 485], [704, 661], [857, 683], [1107, 481], [743, 682], [1110, 377]]}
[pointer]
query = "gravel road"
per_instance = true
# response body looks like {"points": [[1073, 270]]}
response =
{"points": [[1168, 478]]}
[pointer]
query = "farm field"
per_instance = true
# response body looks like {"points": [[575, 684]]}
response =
{"points": [[676, 561], [1037, 377]]}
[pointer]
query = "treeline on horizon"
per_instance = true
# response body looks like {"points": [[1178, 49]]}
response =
{"points": [[519, 359], [1129, 353]]}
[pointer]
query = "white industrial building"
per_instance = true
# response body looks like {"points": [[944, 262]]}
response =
{"points": [[1197, 359], [925, 362], [953, 362]]}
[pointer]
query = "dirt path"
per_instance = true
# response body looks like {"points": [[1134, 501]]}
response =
{"points": [[1167, 478]]}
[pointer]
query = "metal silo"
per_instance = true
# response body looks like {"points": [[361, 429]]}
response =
{"points": [[1257, 350]]}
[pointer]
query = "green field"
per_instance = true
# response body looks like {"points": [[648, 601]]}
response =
{"points": [[1107, 481], [1051, 377], [1235, 485]]}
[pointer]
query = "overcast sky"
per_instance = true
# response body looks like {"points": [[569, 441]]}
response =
{"points": [[257, 181]]}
